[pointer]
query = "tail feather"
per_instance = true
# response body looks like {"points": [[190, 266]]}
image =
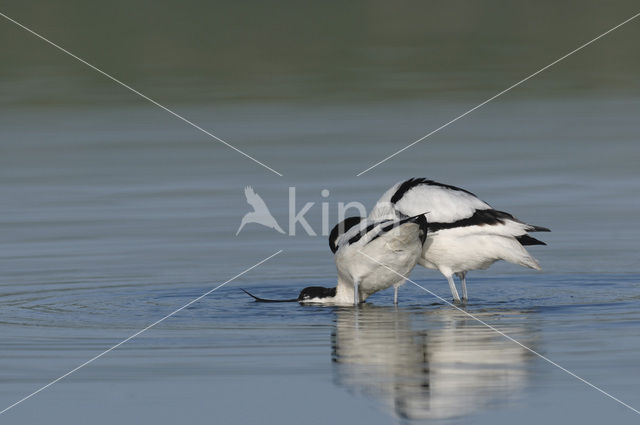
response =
{"points": [[517, 254], [530, 262]]}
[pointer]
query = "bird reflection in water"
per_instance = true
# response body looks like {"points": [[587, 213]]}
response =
{"points": [[434, 364]]}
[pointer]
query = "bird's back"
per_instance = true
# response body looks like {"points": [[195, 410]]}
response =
{"points": [[464, 232], [441, 203]]}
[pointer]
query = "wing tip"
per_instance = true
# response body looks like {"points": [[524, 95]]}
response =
{"points": [[526, 240]]}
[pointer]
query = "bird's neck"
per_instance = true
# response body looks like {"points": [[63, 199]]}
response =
{"points": [[344, 291]]}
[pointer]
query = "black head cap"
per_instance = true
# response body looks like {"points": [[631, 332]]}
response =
{"points": [[340, 229], [316, 292]]}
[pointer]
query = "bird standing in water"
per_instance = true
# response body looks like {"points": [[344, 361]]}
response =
{"points": [[395, 244], [464, 232]]}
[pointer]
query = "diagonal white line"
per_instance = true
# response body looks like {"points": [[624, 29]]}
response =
{"points": [[175, 114], [135, 334], [500, 94], [507, 336]]}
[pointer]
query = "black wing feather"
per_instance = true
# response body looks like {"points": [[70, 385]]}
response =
{"points": [[528, 240]]}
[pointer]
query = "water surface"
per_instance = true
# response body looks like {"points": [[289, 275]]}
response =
{"points": [[115, 213]]}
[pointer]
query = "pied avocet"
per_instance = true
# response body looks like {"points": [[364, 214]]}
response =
{"points": [[464, 232]]}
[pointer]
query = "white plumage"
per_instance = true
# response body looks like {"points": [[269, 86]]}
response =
{"points": [[464, 232], [371, 255], [396, 243]]}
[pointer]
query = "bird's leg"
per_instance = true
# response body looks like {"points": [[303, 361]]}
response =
{"points": [[454, 291], [356, 295], [395, 294], [463, 281]]}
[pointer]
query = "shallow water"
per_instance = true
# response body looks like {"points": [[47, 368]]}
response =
{"points": [[115, 214], [421, 361]]}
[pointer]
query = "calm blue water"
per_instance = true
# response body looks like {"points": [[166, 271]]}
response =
{"points": [[114, 214]]}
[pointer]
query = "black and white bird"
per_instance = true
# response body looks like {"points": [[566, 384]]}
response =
{"points": [[464, 232], [370, 255]]}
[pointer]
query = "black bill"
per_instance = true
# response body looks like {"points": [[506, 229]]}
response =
{"points": [[264, 300]]}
